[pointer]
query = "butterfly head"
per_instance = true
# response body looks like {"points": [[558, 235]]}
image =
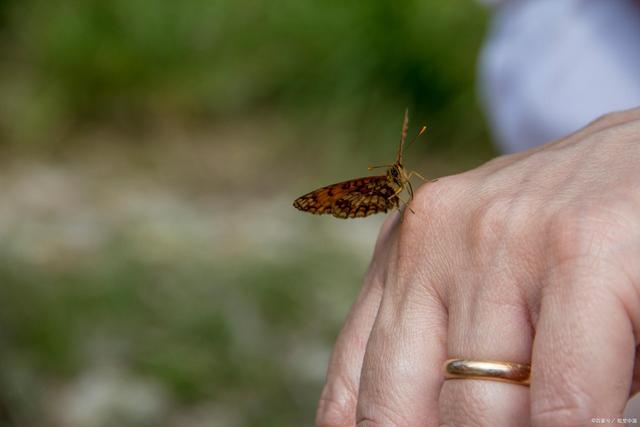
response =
{"points": [[396, 174]]}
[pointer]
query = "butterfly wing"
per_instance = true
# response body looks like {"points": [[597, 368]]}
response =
{"points": [[349, 199]]}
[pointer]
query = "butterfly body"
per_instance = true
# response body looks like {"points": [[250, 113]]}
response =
{"points": [[361, 197]]}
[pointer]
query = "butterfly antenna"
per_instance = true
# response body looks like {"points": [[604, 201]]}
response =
{"points": [[403, 136], [422, 130]]}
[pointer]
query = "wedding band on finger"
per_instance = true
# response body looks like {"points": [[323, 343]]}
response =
{"points": [[515, 373]]}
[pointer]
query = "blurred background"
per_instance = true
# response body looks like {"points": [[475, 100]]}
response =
{"points": [[152, 269]]}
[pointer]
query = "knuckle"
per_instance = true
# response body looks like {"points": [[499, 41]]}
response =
{"points": [[605, 119], [435, 204], [428, 197], [613, 118], [564, 240], [499, 161], [487, 223], [440, 194], [427, 209], [588, 231]]}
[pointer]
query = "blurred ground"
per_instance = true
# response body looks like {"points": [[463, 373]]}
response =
{"points": [[152, 269]]}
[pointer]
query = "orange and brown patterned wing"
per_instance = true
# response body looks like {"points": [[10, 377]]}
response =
{"points": [[350, 199]]}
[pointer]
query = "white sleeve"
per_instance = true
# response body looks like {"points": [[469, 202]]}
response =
{"points": [[549, 67]]}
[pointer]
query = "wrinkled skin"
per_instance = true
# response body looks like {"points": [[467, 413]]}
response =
{"points": [[530, 258]]}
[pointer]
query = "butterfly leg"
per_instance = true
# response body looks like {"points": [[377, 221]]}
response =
{"points": [[412, 173], [398, 191], [397, 194], [410, 187], [406, 204]]}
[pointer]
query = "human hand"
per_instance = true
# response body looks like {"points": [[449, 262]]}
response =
{"points": [[530, 258]]}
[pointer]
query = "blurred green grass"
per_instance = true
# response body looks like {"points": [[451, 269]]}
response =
{"points": [[152, 270], [130, 62]]}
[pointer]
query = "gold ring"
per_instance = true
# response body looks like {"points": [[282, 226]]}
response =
{"points": [[516, 373]]}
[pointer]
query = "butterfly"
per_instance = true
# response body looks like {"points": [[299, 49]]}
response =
{"points": [[361, 197]]}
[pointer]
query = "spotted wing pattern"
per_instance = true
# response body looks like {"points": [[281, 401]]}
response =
{"points": [[350, 199]]}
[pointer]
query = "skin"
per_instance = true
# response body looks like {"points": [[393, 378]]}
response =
{"points": [[530, 258]]}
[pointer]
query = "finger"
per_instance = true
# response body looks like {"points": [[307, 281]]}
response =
{"points": [[584, 350], [337, 405], [491, 322], [401, 375]]}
